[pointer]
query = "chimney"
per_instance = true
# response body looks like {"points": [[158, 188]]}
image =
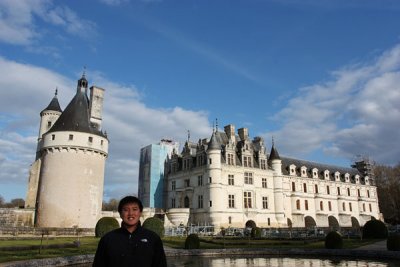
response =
{"points": [[230, 130], [96, 106], [243, 133]]}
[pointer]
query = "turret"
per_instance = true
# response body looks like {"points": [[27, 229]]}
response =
{"points": [[48, 117], [276, 165], [275, 160]]}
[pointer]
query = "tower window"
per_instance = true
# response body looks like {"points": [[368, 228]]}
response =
{"points": [[90, 139], [48, 124], [71, 137], [53, 137]]}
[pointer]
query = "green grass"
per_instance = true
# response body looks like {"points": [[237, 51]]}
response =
{"points": [[89, 244]]}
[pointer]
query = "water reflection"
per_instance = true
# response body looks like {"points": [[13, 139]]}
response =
{"points": [[274, 262]]}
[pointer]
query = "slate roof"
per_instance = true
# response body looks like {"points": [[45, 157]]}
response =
{"points": [[54, 105]]}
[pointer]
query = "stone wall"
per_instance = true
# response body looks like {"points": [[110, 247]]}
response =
{"points": [[16, 217]]}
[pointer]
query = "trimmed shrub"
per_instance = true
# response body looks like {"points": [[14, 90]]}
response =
{"points": [[256, 232], [393, 242], [154, 224], [333, 240], [105, 225], [374, 229], [192, 242]]}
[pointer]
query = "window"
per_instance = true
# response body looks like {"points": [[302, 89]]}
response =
{"points": [[269, 221], [173, 185], [363, 206], [187, 183], [344, 206], [231, 201], [321, 205], [230, 219], [264, 182], [200, 180], [209, 161], [246, 161], [209, 180], [230, 159], [186, 202], [265, 202], [368, 193], [305, 187], [298, 204], [200, 201], [348, 191], [329, 206], [338, 191], [231, 179], [48, 124], [293, 187], [53, 137], [350, 207], [316, 189], [358, 193], [328, 191], [370, 207], [247, 200], [262, 164], [90, 139], [173, 202], [101, 142], [71, 137], [306, 204], [210, 203], [248, 178]]}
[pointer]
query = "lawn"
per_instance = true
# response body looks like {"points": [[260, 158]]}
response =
{"points": [[24, 249]]}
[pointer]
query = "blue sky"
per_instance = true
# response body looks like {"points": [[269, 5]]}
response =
{"points": [[321, 76]]}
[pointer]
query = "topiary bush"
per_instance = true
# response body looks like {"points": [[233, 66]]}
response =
{"points": [[192, 242], [374, 229], [333, 240], [393, 242], [256, 232], [154, 224], [105, 225]]}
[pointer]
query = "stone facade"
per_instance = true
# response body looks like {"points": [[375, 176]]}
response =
{"points": [[230, 180]]}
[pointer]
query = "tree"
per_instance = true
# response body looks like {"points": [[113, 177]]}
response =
{"points": [[17, 203], [387, 180], [111, 205], [2, 201]]}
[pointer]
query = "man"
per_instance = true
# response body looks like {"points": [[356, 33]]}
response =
{"points": [[131, 245]]}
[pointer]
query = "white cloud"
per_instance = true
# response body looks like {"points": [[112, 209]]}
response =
{"points": [[129, 123], [355, 113], [19, 23]]}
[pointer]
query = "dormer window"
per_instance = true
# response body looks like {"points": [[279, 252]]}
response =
{"points": [[326, 174], [303, 170], [337, 176], [315, 173], [357, 179], [347, 177], [366, 180], [292, 169]]}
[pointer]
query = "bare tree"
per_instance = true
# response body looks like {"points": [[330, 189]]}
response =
{"points": [[111, 205], [387, 180]]}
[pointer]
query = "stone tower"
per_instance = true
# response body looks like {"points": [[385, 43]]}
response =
{"points": [[70, 163]]}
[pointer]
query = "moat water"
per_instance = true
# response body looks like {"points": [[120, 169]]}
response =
{"points": [[197, 261]]}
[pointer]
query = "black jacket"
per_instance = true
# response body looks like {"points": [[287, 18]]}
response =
{"points": [[142, 248]]}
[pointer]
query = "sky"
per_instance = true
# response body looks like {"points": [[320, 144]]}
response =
{"points": [[320, 77]]}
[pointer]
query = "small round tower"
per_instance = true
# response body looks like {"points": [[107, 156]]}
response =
{"points": [[73, 154], [215, 200]]}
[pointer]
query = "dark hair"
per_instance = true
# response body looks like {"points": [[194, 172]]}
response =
{"points": [[128, 200]]}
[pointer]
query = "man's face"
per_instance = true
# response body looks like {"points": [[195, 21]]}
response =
{"points": [[130, 214]]}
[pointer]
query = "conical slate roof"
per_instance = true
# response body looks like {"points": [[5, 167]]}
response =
{"points": [[214, 144], [54, 105], [274, 153], [76, 116]]}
